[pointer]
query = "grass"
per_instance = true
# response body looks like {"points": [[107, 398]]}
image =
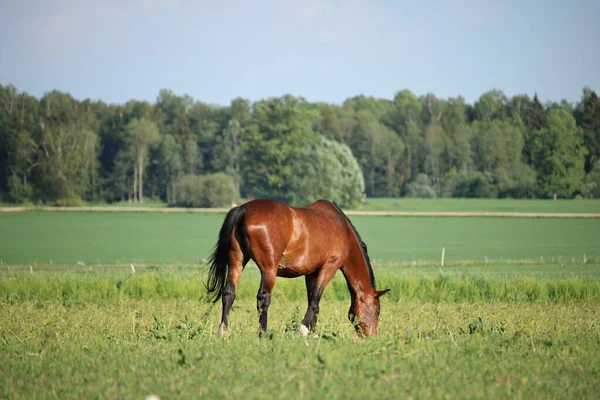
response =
{"points": [[489, 205], [441, 204], [104, 237], [66, 284], [467, 330], [127, 204], [155, 335]]}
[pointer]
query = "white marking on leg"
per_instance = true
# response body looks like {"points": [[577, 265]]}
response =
{"points": [[222, 330], [303, 330]]}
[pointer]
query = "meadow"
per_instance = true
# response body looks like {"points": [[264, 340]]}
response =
{"points": [[425, 205], [481, 205], [501, 331], [88, 325], [38, 237]]}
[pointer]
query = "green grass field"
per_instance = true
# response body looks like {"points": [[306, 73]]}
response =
{"points": [[504, 331], [489, 205], [466, 330], [105, 237], [442, 204]]}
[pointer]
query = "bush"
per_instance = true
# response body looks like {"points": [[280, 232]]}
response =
{"points": [[420, 187], [211, 190], [471, 184], [72, 201], [591, 184], [19, 192]]}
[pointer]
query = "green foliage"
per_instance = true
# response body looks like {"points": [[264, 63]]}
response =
{"points": [[470, 184], [326, 170], [69, 202], [220, 190], [19, 191], [559, 155], [588, 118], [420, 187], [277, 131], [211, 190], [59, 147], [591, 184]]}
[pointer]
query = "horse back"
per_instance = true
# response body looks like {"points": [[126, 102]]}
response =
{"points": [[297, 240]]}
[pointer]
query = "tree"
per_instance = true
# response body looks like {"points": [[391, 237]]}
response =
{"points": [[559, 155], [326, 170], [67, 149], [388, 157], [491, 105], [171, 162], [405, 119], [277, 131], [588, 118], [144, 134], [434, 146]]}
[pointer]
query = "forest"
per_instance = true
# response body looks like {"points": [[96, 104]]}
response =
{"points": [[63, 151]]}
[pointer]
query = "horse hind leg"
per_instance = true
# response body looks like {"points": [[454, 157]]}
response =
{"points": [[237, 262], [263, 298]]}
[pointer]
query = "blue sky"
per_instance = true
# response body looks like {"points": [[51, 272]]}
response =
{"points": [[323, 50]]}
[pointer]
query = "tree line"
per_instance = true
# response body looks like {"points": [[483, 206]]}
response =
{"points": [[60, 150]]}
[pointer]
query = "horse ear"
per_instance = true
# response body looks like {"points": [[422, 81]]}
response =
{"points": [[381, 292]]}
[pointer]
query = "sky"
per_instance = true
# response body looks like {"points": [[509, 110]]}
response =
{"points": [[322, 50]]}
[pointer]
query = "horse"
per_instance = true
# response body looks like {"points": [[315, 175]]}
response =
{"points": [[312, 241]]}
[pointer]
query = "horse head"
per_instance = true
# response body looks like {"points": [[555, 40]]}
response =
{"points": [[364, 313]]}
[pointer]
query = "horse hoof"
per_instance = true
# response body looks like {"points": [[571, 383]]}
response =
{"points": [[303, 331], [222, 331]]}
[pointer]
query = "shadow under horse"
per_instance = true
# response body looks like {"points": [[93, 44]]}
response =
{"points": [[313, 241]]}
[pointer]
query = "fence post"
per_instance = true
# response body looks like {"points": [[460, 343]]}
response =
{"points": [[584, 258], [443, 254]]}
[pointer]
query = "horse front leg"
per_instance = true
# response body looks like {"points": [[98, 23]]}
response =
{"points": [[315, 285]]}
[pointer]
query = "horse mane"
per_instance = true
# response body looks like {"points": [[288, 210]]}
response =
{"points": [[363, 245]]}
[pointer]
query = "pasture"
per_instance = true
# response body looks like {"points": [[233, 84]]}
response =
{"points": [[483, 205], [470, 329], [140, 237]]}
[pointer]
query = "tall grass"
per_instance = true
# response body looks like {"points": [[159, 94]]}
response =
{"points": [[101, 284]]}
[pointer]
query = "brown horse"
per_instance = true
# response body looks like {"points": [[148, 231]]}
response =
{"points": [[314, 241]]}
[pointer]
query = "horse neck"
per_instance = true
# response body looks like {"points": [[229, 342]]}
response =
{"points": [[356, 272]]}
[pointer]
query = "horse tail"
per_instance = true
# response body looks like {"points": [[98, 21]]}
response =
{"points": [[219, 259]]}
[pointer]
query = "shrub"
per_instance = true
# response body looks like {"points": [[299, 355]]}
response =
{"points": [[420, 187], [211, 190], [72, 201]]}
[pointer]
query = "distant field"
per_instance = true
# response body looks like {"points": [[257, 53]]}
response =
{"points": [[431, 205], [484, 205], [104, 237]]}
